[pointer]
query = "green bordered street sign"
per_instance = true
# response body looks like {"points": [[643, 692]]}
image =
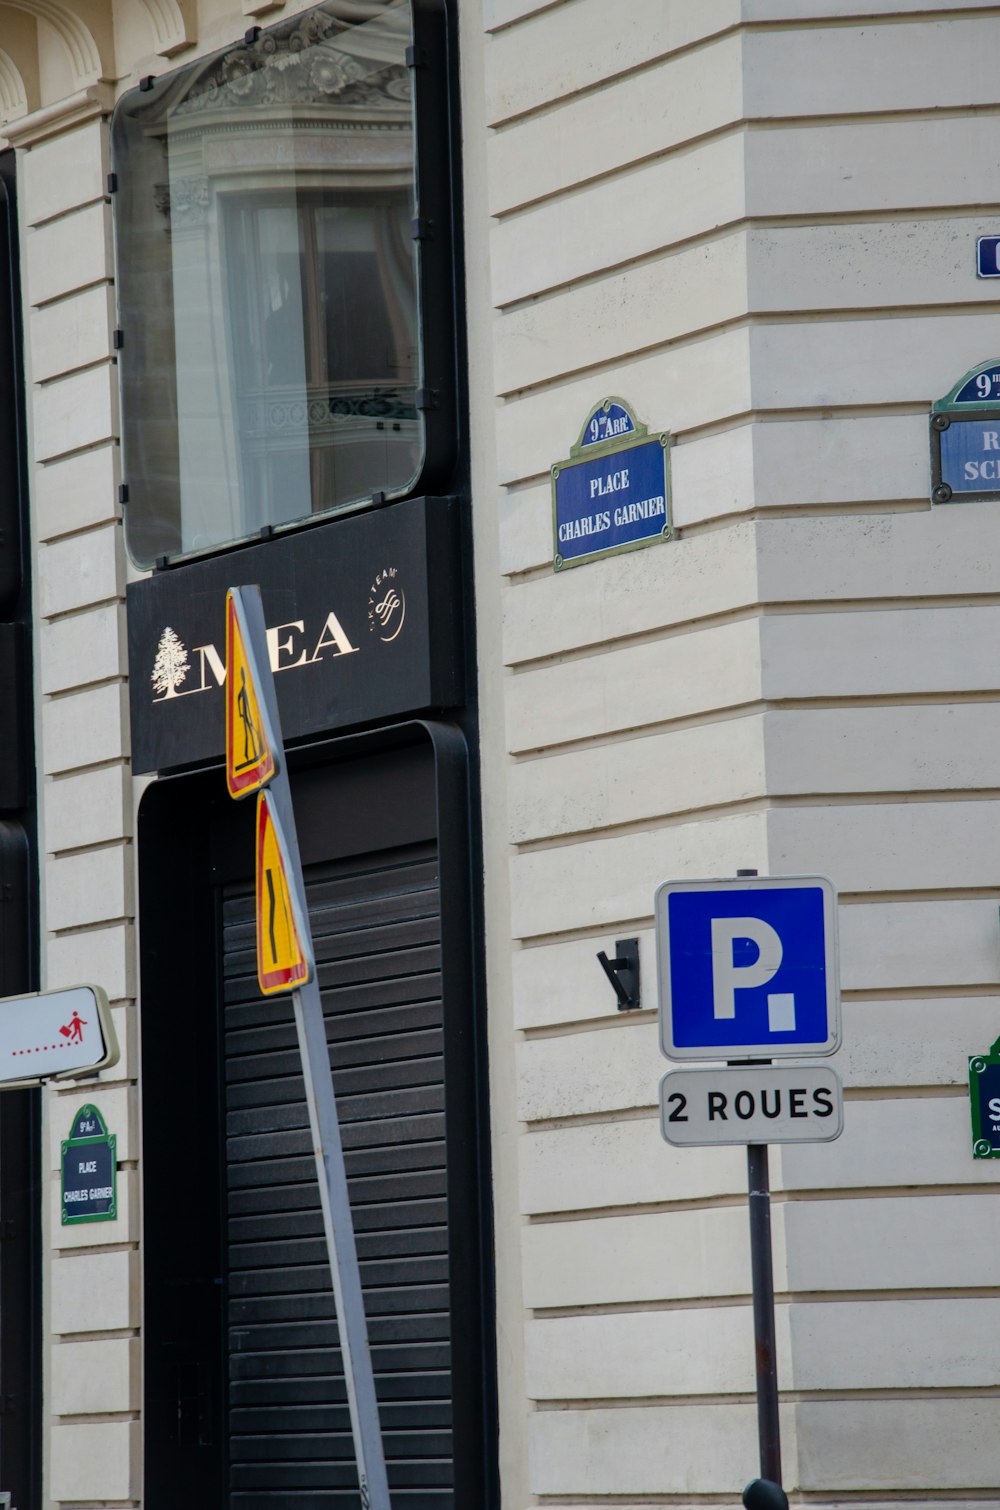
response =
{"points": [[612, 494], [89, 1170], [984, 1103]]}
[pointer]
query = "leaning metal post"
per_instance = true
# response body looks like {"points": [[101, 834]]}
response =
{"points": [[324, 1124]]}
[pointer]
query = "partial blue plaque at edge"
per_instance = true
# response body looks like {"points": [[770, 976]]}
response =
{"points": [[978, 388], [984, 1103], [965, 438], [970, 455], [988, 257], [613, 493]]}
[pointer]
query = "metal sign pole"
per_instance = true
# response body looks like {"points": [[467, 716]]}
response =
{"points": [[762, 1274], [334, 1199], [323, 1123], [341, 1247], [762, 1283], [780, 998]]}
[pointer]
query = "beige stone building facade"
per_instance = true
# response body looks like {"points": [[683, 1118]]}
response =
{"points": [[755, 222]]}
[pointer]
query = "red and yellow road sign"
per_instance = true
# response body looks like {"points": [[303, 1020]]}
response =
{"points": [[250, 762], [283, 952]]}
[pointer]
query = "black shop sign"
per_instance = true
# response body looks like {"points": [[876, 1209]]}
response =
{"points": [[362, 625]]}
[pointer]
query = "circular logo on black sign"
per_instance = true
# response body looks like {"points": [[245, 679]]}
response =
{"points": [[386, 605]]}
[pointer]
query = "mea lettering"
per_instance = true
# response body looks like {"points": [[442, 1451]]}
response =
{"points": [[745, 1104], [285, 653]]}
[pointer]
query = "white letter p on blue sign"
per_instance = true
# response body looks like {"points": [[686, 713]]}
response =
{"points": [[726, 974]]}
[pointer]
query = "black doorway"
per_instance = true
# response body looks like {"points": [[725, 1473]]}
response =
{"points": [[245, 1405]]}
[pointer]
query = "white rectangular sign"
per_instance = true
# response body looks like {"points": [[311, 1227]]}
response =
{"points": [[55, 1035], [751, 1104]]}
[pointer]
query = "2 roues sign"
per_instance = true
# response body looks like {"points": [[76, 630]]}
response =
{"points": [[749, 1104], [747, 970]]}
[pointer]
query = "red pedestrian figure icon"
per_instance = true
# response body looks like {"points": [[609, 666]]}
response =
{"points": [[73, 1030]]}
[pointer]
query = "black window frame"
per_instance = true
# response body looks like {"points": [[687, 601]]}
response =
{"points": [[21, 1187], [438, 320]]}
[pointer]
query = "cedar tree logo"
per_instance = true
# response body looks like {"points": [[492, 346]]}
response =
{"points": [[171, 665]]}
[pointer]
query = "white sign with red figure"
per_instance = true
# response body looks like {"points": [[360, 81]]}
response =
{"points": [[55, 1035]]}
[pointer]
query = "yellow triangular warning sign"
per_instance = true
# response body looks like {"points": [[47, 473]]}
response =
{"points": [[283, 952], [250, 762]]}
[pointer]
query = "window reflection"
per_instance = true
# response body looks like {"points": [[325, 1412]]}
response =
{"points": [[321, 301], [267, 279]]}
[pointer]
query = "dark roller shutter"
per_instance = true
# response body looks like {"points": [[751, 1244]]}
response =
{"points": [[376, 930]]}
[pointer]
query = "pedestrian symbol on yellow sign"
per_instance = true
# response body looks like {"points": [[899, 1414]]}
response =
{"points": [[283, 955], [250, 760]]}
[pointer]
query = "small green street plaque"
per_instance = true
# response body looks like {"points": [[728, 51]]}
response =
{"points": [[984, 1103], [89, 1170]]}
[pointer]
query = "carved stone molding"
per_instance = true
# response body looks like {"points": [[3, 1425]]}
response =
{"points": [[80, 42], [52, 120], [303, 66], [13, 94], [173, 23]]}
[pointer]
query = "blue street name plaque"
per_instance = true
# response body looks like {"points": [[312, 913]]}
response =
{"points": [[970, 455], [965, 438], [613, 492]]}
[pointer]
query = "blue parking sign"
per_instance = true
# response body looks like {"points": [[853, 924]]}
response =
{"points": [[747, 968]]}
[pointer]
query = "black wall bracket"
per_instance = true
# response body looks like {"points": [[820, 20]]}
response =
{"points": [[623, 973]]}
